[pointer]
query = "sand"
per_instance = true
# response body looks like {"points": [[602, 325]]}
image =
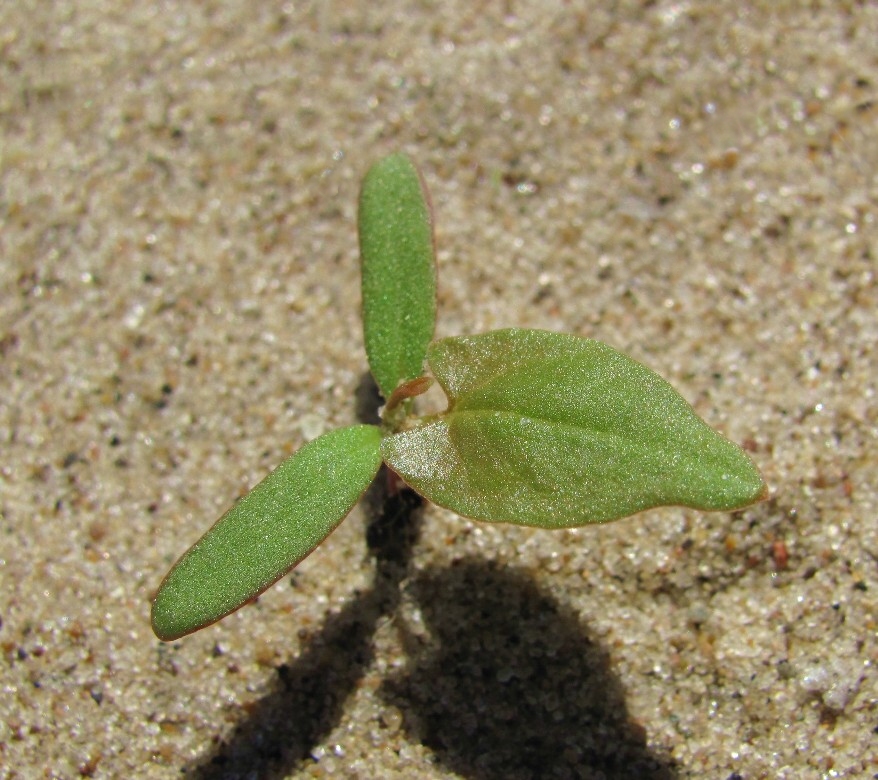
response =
{"points": [[694, 183]]}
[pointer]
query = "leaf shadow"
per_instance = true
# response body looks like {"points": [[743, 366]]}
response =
{"points": [[510, 684], [308, 697]]}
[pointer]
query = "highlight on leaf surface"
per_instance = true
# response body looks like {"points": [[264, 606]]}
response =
{"points": [[399, 272], [552, 430], [277, 524]]}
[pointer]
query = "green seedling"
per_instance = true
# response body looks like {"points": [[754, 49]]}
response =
{"points": [[542, 429]]}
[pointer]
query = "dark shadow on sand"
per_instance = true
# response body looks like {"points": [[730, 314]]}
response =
{"points": [[509, 684]]}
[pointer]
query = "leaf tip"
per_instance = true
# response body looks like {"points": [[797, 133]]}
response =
{"points": [[164, 625], [741, 484]]}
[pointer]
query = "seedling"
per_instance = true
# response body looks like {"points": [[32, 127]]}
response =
{"points": [[542, 429]]}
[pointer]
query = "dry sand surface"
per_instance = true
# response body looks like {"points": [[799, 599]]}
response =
{"points": [[695, 183]]}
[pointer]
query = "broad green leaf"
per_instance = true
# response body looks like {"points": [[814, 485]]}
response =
{"points": [[399, 271], [277, 524], [552, 430]]}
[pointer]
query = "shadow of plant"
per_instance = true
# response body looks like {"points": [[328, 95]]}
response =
{"points": [[510, 684]]}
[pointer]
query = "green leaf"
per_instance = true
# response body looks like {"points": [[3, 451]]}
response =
{"points": [[277, 524], [399, 271], [552, 430]]}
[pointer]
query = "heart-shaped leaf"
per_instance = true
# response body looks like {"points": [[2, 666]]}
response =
{"points": [[277, 524], [552, 430], [399, 271]]}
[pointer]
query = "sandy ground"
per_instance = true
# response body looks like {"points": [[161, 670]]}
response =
{"points": [[691, 182]]}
